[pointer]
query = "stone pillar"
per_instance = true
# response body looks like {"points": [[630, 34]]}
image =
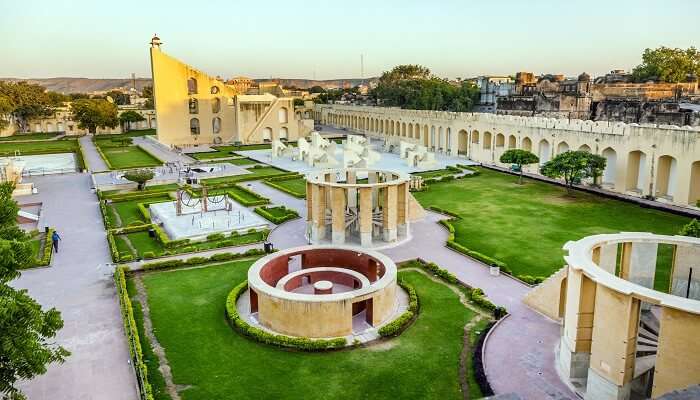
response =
{"points": [[685, 258], [606, 257], [677, 357], [365, 217], [309, 201], [402, 209], [575, 345], [352, 192], [613, 346], [318, 229], [643, 264], [389, 213], [373, 178], [338, 215]]}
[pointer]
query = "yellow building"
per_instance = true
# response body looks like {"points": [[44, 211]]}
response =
{"points": [[194, 108]]}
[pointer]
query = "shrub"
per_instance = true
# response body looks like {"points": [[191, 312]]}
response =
{"points": [[400, 324], [149, 254], [270, 338], [266, 212], [140, 176], [531, 280], [216, 236], [47, 250], [126, 257], [442, 273]]}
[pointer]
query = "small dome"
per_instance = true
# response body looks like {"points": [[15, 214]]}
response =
{"points": [[584, 77]]}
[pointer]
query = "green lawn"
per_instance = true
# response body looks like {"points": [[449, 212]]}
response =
{"points": [[46, 147], [256, 173], [170, 187], [143, 243], [244, 193], [129, 157], [128, 210], [297, 185], [435, 174], [29, 136], [526, 225], [242, 161], [215, 362]]}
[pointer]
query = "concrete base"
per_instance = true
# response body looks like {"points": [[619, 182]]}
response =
{"points": [[366, 239], [339, 237], [599, 388], [390, 235], [574, 365], [402, 229], [317, 233]]}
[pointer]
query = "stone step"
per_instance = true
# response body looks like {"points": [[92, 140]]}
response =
{"points": [[647, 334], [643, 364], [646, 342], [645, 348], [649, 320]]}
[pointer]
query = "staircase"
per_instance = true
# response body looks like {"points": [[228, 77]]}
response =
{"points": [[262, 119], [647, 343]]}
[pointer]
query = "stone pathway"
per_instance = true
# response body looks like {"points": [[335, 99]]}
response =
{"points": [[94, 161], [162, 152], [79, 284]]}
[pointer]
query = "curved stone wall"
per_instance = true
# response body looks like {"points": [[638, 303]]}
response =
{"points": [[368, 279]]}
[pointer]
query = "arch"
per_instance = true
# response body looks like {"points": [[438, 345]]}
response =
{"points": [[37, 127], [153, 123], [563, 147], [486, 145], [284, 133], [526, 144], [416, 132], [666, 177], [432, 136], [403, 129], [267, 134], [500, 140], [425, 136], [49, 127], [216, 125], [409, 130], [60, 127], [448, 139], [192, 86], [694, 190], [543, 151], [441, 138], [283, 115], [194, 126], [216, 105], [475, 137], [636, 165], [512, 142], [193, 105], [462, 140], [585, 147], [610, 171]]}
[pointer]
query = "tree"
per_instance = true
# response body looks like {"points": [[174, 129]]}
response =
{"points": [[147, 92], [596, 166], [570, 165], [94, 113], [316, 89], [140, 176], [519, 157], [128, 117], [668, 64], [25, 350], [692, 229], [24, 101], [119, 98]]}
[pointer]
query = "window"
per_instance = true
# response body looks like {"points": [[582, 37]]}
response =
{"points": [[194, 106], [216, 125], [282, 115], [192, 86], [214, 89], [194, 126], [216, 105]]}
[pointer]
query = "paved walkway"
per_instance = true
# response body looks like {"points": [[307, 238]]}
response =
{"points": [[92, 157], [520, 353], [80, 285], [162, 152]]}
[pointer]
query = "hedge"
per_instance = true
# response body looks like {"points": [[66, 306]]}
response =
{"points": [[263, 336], [132, 334], [260, 200], [265, 213], [48, 250], [219, 257], [395, 327]]}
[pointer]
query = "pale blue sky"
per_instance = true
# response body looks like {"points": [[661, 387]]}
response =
{"points": [[303, 39]]}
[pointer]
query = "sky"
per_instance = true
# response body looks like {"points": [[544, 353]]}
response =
{"points": [[325, 39]]}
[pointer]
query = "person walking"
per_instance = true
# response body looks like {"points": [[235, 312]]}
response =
{"points": [[54, 239]]}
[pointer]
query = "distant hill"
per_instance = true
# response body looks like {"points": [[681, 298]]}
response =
{"points": [[89, 85]]}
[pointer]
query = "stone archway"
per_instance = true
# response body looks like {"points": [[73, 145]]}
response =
{"points": [[694, 190], [462, 142], [666, 177], [636, 166], [610, 172]]}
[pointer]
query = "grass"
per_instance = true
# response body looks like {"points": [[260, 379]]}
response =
{"points": [[46, 147], [297, 185], [119, 153], [526, 225], [435, 174], [243, 193], [242, 161], [29, 136], [143, 243], [169, 187], [256, 173], [128, 211], [187, 311]]}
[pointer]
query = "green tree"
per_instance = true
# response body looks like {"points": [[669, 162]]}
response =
{"points": [[24, 101], [692, 228], [668, 64], [570, 165], [140, 176], [25, 347], [119, 97], [316, 89], [78, 96], [519, 157], [94, 113], [128, 117], [147, 92], [595, 167]]}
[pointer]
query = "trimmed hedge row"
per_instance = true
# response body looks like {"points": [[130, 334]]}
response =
{"points": [[265, 213], [272, 182], [270, 338], [132, 334], [48, 250], [260, 200], [395, 327], [220, 257]]}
